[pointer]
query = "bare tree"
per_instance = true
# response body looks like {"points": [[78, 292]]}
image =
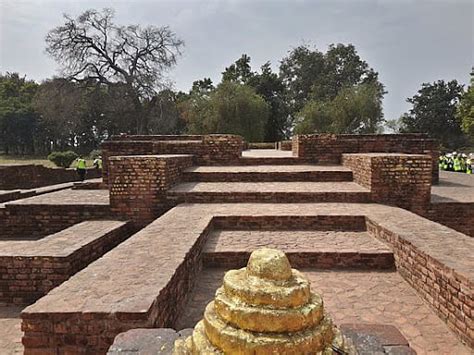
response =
{"points": [[91, 48]]}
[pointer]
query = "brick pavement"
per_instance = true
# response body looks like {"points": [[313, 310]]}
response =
{"points": [[10, 330], [68, 197], [122, 290], [321, 249], [453, 187], [355, 297]]}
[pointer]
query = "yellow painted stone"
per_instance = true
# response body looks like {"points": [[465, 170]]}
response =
{"points": [[294, 292], [268, 319], [265, 308]]}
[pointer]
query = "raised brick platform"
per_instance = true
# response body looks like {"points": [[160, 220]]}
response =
{"points": [[36, 217], [123, 289], [205, 192], [29, 269], [316, 249], [268, 173]]}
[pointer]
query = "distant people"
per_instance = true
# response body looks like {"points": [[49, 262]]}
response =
{"points": [[98, 163], [81, 168]]}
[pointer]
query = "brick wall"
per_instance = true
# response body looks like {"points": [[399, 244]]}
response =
{"points": [[36, 221], [31, 176], [328, 148], [207, 150], [27, 278], [285, 145], [138, 183], [94, 333], [455, 215], [449, 293], [402, 180]]}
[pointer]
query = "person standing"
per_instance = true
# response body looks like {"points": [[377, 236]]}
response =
{"points": [[81, 168]]}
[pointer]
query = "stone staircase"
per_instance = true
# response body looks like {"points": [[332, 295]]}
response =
{"points": [[268, 183]]}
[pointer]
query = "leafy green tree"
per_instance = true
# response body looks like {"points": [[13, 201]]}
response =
{"points": [[310, 75], [465, 110], [434, 112], [18, 119], [355, 109], [231, 108], [270, 87]]}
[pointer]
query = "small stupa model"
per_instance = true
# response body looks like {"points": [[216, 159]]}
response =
{"points": [[265, 308]]}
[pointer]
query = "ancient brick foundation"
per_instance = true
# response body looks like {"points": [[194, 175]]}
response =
{"points": [[402, 180], [211, 149], [31, 176], [449, 293], [28, 272], [455, 215], [138, 184], [328, 148], [36, 221]]}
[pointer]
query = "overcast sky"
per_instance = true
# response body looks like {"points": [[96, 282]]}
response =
{"points": [[407, 41]]}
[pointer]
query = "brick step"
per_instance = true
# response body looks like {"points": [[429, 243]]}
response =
{"points": [[273, 161], [315, 249], [198, 192], [267, 173]]}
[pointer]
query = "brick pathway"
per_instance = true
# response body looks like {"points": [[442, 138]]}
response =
{"points": [[355, 297], [267, 168], [453, 187], [269, 187], [10, 330], [68, 197], [294, 241], [266, 153]]}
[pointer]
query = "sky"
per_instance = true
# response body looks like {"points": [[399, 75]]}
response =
{"points": [[407, 41]]}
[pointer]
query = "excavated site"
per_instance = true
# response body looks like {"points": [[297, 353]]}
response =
{"points": [[103, 266]]}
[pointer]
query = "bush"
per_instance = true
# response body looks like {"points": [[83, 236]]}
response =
{"points": [[63, 159], [94, 154]]}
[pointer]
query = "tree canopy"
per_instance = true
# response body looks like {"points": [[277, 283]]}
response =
{"points": [[465, 110], [434, 112], [93, 49]]}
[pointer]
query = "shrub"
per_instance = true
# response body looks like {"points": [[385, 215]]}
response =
{"points": [[94, 154], [63, 159]]}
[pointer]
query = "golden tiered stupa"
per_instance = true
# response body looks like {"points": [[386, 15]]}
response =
{"points": [[265, 308]]}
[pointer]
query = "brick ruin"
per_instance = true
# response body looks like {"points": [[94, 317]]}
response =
{"points": [[170, 208]]}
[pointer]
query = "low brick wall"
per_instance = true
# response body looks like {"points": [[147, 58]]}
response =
{"points": [[214, 149], [138, 183], [36, 221], [449, 292], [32, 175], [328, 148], [285, 145], [402, 180], [455, 215], [30, 270]]}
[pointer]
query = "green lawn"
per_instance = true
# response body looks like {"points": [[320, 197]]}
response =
{"points": [[25, 159]]}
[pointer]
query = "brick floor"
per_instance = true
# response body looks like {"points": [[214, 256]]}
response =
{"points": [[320, 249], [355, 297], [266, 153], [68, 197], [10, 330], [453, 187], [266, 168], [294, 241]]}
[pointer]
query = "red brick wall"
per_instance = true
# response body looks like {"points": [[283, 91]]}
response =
{"points": [[36, 221], [455, 215], [138, 183], [31, 176], [27, 278], [328, 148], [402, 180], [207, 150], [448, 292]]}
